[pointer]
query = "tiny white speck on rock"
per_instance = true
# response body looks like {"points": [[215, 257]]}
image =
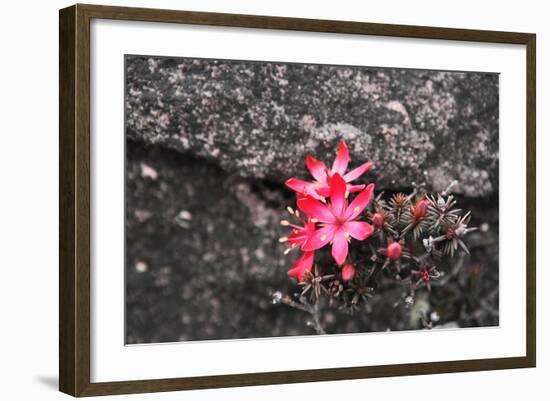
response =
{"points": [[142, 215], [141, 266], [185, 215], [148, 172], [276, 297]]}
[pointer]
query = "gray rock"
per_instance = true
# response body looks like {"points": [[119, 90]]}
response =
{"points": [[259, 120]]}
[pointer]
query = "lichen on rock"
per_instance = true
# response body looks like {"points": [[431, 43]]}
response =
{"points": [[259, 120]]}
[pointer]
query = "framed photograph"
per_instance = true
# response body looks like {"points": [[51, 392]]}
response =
{"points": [[250, 200]]}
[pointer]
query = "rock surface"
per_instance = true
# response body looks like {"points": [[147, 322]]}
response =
{"points": [[259, 120]]}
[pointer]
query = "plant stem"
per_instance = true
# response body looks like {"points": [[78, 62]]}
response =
{"points": [[313, 310]]}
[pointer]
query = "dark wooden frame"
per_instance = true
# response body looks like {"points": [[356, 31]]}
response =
{"points": [[74, 203]]}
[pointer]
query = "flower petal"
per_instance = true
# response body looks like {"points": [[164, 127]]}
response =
{"points": [[297, 185], [300, 235], [310, 227], [297, 238], [355, 188], [358, 229], [337, 194], [340, 246], [303, 187], [317, 169], [358, 172], [301, 266], [319, 238], [315, 209], [359, 203], [323, 191], [342, 159]]}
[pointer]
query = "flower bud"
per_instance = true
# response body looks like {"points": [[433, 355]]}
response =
{"points": [[378, 220], [419, 210], [394, 250], [348, 272], [425, 275]]}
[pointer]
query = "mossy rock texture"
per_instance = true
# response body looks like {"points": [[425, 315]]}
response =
{"points": [[259, 120]]}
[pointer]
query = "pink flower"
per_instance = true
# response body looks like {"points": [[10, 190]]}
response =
{"points": [[298, 237], [302, 266], [299, 234], [338, 219], [394, 250], [348, 272], [320, 187]]}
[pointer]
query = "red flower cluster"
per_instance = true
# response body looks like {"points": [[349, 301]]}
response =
{"points": [[332, 218]]}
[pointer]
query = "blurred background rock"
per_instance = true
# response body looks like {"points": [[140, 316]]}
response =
{"points": [[209, 146]]}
